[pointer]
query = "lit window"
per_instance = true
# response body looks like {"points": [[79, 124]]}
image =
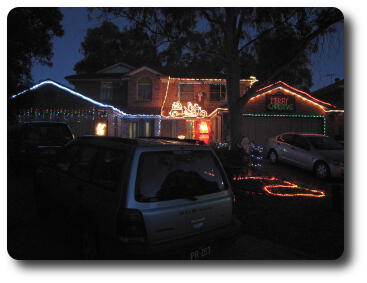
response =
{"points": [[147, 129], [217, 92], [145, 89], [132, 130], [186, 92], [106, 91]]}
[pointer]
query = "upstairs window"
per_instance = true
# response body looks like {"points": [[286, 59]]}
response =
{"points": [[106, 91], [186, 92], [145, 89], [217, 93]]}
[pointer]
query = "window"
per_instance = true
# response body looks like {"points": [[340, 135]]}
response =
{"points": [[145, 89], [107, 91], [301, 142], [168, 175], [82, 162], [217, 92], [286, 138], [186, 92], [108, 169], [132, 130], [147, 128]]}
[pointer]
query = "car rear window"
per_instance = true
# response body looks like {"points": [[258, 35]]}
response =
{"points": [[168, 175]]}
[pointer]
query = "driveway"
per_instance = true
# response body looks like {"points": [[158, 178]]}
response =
{"points": [[313, 226]]}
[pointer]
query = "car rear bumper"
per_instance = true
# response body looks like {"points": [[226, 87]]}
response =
{"points": [[176, 248]]}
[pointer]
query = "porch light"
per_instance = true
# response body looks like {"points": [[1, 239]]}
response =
{"points": [[101, 129]]}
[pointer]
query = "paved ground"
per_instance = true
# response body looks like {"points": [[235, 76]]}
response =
{"points": [[311, 226], [273, 228]]}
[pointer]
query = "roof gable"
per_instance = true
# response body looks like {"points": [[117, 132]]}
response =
{"points": [[144, 68], [119, 68], [292, 90]]}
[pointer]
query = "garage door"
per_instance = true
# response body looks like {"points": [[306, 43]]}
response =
{"points": [[259, 128]]}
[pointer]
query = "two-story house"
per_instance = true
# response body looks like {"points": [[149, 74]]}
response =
{"points": [[124, 101], [190, 106]]}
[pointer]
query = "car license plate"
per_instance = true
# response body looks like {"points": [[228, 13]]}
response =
{"points": [[200, 253]]}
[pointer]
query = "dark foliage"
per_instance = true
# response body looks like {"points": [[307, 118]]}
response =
{"points": [[30, 34]]}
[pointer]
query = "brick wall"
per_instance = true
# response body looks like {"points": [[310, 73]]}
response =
{"points": [[156, 90]]}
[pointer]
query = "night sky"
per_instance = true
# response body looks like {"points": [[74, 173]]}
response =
{"points": [[326, 65]]}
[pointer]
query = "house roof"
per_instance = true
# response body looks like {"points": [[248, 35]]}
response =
{"points": [[117, 66], [333, 93], [293, 90], [92, 76], [60, 89]]}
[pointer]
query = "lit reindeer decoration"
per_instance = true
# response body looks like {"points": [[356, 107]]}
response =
{"points": [[192, 110]]}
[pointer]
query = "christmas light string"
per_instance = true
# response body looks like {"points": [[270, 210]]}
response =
{"points": [[273, 189], [114, 109], [313, 99]]}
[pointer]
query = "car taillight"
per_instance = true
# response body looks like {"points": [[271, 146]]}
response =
{"points": [[130, 226]]}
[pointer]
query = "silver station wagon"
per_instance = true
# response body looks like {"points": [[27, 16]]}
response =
{"points": [[140, 198], [320, 154]]}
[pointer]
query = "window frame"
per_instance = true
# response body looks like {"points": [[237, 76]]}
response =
{"points": [[104, 96], [139, 83], [180, 92], [220, 93]]}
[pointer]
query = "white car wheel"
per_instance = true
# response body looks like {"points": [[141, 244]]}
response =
{"points": [[322, 170]]}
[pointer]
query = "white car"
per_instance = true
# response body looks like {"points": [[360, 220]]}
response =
{"points": [[318, 153]]}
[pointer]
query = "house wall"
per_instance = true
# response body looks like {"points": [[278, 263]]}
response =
{"points": [[133, 92], [206, 104]]}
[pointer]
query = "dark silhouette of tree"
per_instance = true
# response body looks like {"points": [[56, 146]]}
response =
{"points": [[106, 45], [30, 34], [270, 43]]}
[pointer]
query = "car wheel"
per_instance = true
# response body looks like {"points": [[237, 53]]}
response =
{"points": [[322, 170], [273, 156]]}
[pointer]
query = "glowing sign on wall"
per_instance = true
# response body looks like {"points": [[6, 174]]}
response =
{"points": [[280, 102], [189, 111], [101, 129]]}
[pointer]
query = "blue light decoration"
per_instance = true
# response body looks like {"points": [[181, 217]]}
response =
{"points": [[116, 112], [255, 156]]}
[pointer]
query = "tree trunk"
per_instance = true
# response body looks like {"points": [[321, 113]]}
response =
{"points": [[233, 89]]}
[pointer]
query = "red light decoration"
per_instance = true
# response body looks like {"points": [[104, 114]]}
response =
{"points": [[275, 189], [314, 99]]}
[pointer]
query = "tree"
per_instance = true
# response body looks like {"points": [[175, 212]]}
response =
{"points": [[237, 36], [30, 34], [105, 45]]}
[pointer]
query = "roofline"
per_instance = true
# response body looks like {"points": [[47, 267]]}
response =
{"points": [[75, 93], [114, 65], [133, 72], [270, 87], [122, 78]]}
